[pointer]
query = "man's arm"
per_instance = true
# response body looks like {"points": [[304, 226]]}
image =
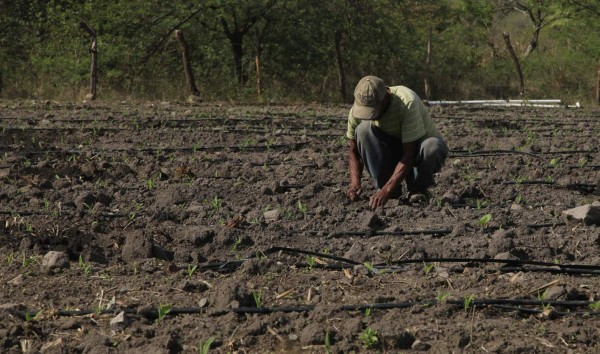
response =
{"points": [[409, 155], [355, 167]]}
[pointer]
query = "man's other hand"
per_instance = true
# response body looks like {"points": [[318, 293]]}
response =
{"points": [[354, 192], [379, 199]]}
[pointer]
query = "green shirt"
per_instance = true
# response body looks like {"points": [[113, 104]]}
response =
{"points": [[406, 117]]}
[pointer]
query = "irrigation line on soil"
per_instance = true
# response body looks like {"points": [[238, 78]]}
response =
{"points": [[509, 304]]}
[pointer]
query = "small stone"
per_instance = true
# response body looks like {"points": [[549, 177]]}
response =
{"points": [[420, 346], [119, 321], [589, 214], [293, 337], [506, 255], [369, 219], [554, 293], [54, 260], [272, 215], [450, 198], [516, 207], [18, 280]]}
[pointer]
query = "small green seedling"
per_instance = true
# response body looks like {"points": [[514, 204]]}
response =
{"points": [[469, 301], [216, 203], [29, 317], [554, 162], [369, 267], [369, 338], [257, 296], [311, 261], [441, 297], [582, 162], [485, 220], [86, 267], [150, 183], [427, 268], [163, 310], [27, 261], [302, 207], [204, 345], [595, 306], [191, 269], [328, 349], [368, 312], [10, 259]]}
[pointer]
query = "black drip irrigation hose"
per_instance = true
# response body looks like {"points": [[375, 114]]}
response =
{"points": [[510, 265], [507, 304]]}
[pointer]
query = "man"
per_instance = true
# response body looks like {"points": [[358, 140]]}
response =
{"points": [[391, 134]]}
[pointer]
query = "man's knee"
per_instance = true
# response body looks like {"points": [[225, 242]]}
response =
{"points": [[362, 131], [434, 148]]}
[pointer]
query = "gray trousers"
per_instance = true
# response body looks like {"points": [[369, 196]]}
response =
{"points": [[380, 153]]}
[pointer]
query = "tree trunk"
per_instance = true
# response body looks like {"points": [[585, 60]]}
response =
{"points": [[257, 64], [340, 66], [94, 66], [427, 67], [533, 43], [598, 87], [187, 69], [238, 54], [516, 62]]}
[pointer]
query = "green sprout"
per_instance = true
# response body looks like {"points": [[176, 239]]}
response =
{"points": [[595, 306], [469, 301], [302, 207], [86, 267], [163, 310], [216, 203], [485, 220], [311, 261], [191, 269], [204, 346], [582, 162], [427, 268], [368, 312], [257, 298], [369, 338], [369, 267], [150, 183]]}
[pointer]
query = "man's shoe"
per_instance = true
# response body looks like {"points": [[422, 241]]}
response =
{"points": [[419, 198]]}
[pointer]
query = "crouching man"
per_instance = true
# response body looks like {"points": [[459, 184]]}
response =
{"points": [[391, 134]]}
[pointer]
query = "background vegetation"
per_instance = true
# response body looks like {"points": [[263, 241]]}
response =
{"points": [[308, 49]]}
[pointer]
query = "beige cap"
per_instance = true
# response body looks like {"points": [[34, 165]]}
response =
{"points": [[368, 95]]}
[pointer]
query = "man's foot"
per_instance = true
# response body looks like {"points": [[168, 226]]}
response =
{"points": [[419, 198]]}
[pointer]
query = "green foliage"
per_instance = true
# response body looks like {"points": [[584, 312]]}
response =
{"points": [[43, 52], [191, 269]]}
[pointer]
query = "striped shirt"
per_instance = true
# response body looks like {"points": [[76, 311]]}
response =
{"points": [[406, 117]]}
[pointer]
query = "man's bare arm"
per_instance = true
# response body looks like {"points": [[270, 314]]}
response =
{"points": [[355, 167], [402, 169]]}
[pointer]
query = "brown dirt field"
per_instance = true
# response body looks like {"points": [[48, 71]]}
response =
{"points": [[210, 210]]}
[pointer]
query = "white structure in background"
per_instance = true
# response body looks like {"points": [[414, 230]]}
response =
{"points": [[549, 103]]}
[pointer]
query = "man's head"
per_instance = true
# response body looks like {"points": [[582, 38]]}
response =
{"points": [[369, 98]]}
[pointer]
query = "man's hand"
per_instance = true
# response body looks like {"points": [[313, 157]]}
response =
{"points": [[354, 192], [379, 199]]}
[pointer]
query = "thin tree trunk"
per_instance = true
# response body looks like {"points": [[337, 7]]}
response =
{"points": [[187, 68], [94, 66], [598, 87], [340, 66], [533, 43], [427, 67], [516, 62], [257, 63]]}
